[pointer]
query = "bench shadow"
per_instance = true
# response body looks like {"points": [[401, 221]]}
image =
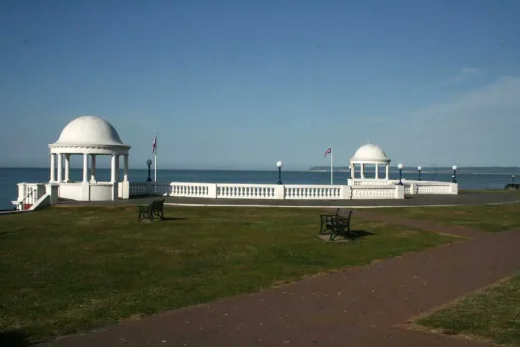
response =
{"points": [[350, 236], [14, 339], [356, 234]]}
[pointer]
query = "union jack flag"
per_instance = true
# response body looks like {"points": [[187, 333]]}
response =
{"points": [[154, 145], [329, 150]]}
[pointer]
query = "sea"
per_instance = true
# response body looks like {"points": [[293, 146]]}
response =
{"points": [[468, 178]]}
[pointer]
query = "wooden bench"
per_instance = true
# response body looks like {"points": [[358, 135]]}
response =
{"points": [[336, 224], [155, 209]]}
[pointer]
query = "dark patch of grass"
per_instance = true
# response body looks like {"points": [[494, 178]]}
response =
{"points": [[493, 314], [492, 218], [71, 269]]}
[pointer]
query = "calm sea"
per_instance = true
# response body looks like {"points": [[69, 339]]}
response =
{"points": [[481, 178]]}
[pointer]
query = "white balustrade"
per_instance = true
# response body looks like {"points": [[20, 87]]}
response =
{"points": [[249, 191], [377, 192], [310, 192], [139, 188], [196, 190], [360, 190]]}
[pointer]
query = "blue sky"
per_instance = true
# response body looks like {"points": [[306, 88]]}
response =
{"points": [[242, 84]]}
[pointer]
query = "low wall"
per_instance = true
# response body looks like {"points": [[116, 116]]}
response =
{"points": [[266, 191], [411, 186]]}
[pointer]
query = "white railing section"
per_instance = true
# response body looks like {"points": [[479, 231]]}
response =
{"points": [[309, 192], [247, 191], [391, 190], [139, 189], [196, 190], [377, 192], [150, 188]]}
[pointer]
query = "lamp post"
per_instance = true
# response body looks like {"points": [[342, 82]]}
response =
{"points": [[279, 163], [149, 163], [400, 167], [454, 177], [513, 179], [419, 169]]}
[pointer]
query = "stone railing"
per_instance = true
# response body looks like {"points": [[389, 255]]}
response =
{"points": [[292, 191], [195, 190], [377, 192], [149, 188], [370, 182], [249, 191], [310, 192], [289, 192], [411, 187], [432, 187]]}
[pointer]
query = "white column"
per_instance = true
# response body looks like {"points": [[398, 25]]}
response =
{"points": [[53, 168], [67, 167], [352, 170], [377, 171], [363, 171], [93, 168], [60, 168], [113, 169], [85, 167], [387, 171], [125, 172]]}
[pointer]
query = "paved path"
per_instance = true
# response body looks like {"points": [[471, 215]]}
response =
{"points": [[361, 306], [464, 198]]}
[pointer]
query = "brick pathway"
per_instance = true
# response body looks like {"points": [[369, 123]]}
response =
{"points": [[361, 306]]}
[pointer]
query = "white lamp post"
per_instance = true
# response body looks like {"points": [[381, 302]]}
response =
{"points": [[419, 169], [279, 163]]}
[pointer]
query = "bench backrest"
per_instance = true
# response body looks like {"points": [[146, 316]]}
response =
{"points": [[157, 204], [343, 213]]}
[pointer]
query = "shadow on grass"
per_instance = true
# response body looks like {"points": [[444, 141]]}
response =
{"points": [[352, 235], [14, 339], [356, 234], [165, 219]]}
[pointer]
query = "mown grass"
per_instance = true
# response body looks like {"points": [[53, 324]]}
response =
{"points": [[66, 270], [492, 218], [493, 314]]}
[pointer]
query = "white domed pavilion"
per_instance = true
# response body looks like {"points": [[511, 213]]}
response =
{"points": [[88, 136], [369, 154]]}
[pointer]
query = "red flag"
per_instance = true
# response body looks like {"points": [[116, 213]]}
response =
{"points": [[329, 150]]}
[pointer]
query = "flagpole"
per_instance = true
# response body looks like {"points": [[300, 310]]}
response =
{"points": [[155, 160], [331, 167]]}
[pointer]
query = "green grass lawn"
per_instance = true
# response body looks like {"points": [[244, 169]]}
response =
{"points": [[491, 218], [67, 269], [493, 314]]}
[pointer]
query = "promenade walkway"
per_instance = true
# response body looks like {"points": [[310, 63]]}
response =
{"points": [[362, 306], [465, 198]]}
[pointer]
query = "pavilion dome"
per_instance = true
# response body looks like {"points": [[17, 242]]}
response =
{"points": [[89, 130], [370, 153]]}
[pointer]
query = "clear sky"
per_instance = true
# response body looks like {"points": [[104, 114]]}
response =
{"points": [[242, 84]]}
